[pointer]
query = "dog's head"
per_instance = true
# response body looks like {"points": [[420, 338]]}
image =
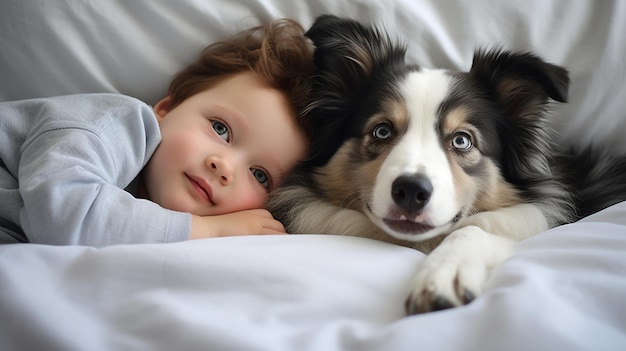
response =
{"points": [[418, 149]]}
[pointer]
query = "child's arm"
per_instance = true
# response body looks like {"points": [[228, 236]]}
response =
{"points": [[76, 159], [257, 221]]}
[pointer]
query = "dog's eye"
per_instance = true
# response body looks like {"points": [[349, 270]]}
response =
{"points": [[382, 131], [462, 141]]}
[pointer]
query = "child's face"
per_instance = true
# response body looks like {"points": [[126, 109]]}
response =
{"points": [[224, 148]]}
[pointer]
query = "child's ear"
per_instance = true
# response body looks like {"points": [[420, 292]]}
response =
{"points": [[162, 107]]}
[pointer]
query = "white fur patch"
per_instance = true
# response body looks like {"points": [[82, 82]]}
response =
{"points": [[516, 222], [419, 150]]}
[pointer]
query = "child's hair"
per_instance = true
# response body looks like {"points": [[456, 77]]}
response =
{"points": [[278, 52]]}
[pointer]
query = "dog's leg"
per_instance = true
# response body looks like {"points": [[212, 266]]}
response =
{"points": [[515, 222], [455, 272]]}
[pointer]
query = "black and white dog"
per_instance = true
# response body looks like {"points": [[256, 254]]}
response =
{"points": [[460, 165]]}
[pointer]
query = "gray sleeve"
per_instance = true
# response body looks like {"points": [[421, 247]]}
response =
{"points": [[72, 180]]}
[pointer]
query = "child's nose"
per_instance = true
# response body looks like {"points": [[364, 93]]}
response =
{"points": [[221, 168]]}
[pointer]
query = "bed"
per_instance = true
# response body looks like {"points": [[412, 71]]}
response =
{"points": [[564, 289]]}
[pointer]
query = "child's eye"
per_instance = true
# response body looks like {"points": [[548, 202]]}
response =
{"points": [[221, 129], [261, 177]]}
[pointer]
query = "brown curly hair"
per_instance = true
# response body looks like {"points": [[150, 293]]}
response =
{"points": [[278, 52]]}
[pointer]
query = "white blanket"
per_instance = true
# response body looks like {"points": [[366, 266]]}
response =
{"points": [[564, 289]]}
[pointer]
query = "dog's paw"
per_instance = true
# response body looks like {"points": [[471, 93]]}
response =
{"points": [[455, 272], [444, 282]]}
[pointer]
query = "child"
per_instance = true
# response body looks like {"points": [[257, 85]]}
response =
{"points": [[103, 169]]}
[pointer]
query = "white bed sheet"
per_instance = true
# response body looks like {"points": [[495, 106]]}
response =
{"points": [[563, 290]]}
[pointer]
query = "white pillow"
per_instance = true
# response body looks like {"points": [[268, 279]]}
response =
{"points": [[134, 47]]}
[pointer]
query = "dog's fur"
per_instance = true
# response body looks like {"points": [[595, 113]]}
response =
{"points": [[460, 165]]}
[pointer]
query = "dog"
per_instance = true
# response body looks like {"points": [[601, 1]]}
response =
{"points": [[459, 165]]}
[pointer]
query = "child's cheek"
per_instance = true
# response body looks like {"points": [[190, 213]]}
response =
{"points": [[250, 198]]}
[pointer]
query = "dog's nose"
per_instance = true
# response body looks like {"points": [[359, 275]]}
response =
{"points": [[411, 192]]}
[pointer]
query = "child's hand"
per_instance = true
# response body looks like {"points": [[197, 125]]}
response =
{"points": [[258, 221]]}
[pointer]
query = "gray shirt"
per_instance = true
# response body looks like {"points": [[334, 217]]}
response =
{"points": [[65, 163]]}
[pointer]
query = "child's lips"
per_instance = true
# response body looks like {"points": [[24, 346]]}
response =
{"points": [[203, 189]]}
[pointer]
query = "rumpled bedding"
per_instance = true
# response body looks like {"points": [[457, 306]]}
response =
{"points": [[564, 289]]}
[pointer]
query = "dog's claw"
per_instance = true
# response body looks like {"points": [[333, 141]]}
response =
{"points": [[408, 306], [412, 306], [468, 296], [441, 303]]}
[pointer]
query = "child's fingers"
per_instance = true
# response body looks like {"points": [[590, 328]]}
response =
{"points": [[273, 227], [266, 231]]}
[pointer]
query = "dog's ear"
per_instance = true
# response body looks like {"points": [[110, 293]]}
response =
{"points": [[523, 83], [347, 56], [351, 51]]}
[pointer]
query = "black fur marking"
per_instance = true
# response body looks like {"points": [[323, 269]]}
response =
{"points": [[598, 176], [507, 97], [356, 65]]}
